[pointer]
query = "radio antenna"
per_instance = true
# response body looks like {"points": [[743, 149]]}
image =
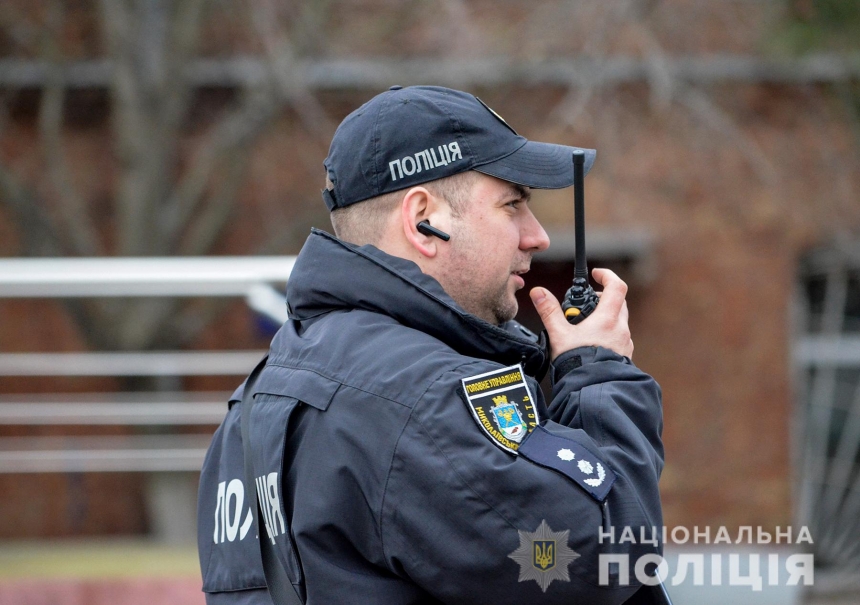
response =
{"points": [[580, 299], [581, 267]]}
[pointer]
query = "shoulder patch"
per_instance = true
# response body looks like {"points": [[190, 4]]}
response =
{"points": [[570, 458], [502, 405]]}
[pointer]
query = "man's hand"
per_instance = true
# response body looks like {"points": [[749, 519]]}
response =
{"points": [[605, 327]]}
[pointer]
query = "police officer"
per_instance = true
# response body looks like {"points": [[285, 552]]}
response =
{"points": [[401, 449]]}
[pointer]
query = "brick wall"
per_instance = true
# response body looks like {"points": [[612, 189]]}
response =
{"points": [[734, 191]]}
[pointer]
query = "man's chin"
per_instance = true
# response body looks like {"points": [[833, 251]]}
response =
{"points": [[506, 313]]}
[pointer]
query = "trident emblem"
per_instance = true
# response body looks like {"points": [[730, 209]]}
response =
{"points": [[544, 554]]}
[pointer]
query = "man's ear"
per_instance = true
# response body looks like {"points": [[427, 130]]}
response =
{"points": [[421, 205]]}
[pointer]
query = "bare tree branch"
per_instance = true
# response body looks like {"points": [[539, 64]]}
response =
{"points": [[16, 26], [39, 234], [77, 227], [189, 322], [359, 74], [133, 132], [151, 94], [222, 204], [849, 95], [582, 88], [288, 233], [235, 131], [721, 122], [843, 168], [657, 66], [176, 92], [150, 45], [661, 80], [308, 32], [286, 70], [142, 322], [464, 36], [151, 48]]}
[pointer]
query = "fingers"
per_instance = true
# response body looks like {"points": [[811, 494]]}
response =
{"points": [[607, 327], [624, 318], [549, 310], [614, 290]]}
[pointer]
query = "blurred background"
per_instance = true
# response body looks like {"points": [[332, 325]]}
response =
{"points": [[192, 132]]}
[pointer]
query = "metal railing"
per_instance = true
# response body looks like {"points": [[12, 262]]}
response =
{"points": [[162, 416], [107, 453]]}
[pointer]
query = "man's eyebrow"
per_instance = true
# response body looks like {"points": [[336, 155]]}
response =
{"points": [[516, 191]]}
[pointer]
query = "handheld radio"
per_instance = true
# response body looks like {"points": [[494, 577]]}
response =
{"points": [[580, 300]]}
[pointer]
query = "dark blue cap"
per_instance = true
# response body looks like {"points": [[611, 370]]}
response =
{"points": [[408, 136]]}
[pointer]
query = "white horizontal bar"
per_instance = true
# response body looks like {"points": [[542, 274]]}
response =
{"points": [[827, 351], [132, 453], [269, 302], [167, 276], [73, 461], [153, 363], [186, 413], [175, 398]]}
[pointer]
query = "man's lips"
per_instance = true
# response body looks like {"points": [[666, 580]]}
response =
{"points": [[518, 279]]}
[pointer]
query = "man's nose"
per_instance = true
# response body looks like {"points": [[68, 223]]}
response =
{"points": [[532, 235]]}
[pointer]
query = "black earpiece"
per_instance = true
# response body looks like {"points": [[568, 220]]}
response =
{"points": [[427, 229]]}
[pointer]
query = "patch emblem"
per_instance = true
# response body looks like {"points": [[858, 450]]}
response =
{"points": [[502, 405], [544, 555], [508, 419]]}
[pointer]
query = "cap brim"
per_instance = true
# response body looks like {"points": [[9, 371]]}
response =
{"points": [[538, 165]]}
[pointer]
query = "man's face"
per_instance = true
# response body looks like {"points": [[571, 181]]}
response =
{"points": [[491, 247]]}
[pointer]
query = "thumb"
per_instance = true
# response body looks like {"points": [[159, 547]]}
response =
{"points": [[549, 310]]}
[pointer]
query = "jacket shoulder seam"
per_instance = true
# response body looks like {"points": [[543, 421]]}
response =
{"points": [[438, 449], [341, 382]]}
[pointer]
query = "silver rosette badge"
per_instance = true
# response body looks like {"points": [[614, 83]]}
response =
{"points": [[544, 555]]}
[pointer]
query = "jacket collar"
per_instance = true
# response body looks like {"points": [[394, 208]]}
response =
{"points": [[331, 275]]}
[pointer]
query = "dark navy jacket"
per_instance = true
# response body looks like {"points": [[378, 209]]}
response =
{"points": [[376, 480]]}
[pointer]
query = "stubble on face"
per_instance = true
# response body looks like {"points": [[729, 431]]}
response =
{"points": [[480, 293], [485, 251]]}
